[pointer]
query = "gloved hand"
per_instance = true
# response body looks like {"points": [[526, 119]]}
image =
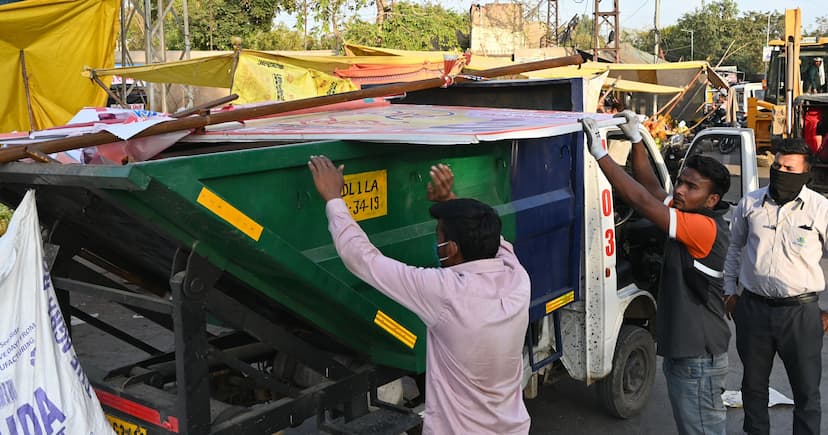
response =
{"points": [[630, 128], [593, 138]]}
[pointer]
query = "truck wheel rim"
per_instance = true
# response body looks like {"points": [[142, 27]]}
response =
{"points": [[635, 372]]}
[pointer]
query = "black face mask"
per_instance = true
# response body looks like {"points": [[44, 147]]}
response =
{"points": [[785, 186]]}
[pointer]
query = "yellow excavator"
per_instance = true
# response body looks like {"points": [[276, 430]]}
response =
{"points": [[774, 115], [792, 107]]}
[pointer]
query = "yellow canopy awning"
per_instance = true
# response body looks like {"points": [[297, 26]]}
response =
{"points": [[642, 73], [212, 71], [397, 57], [51, 40], [633, 86]]}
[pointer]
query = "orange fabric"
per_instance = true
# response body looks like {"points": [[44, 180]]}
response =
{"points": [[695, 231], [812, 118]]}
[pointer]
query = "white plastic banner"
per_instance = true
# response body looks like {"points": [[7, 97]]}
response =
{"points": [[43, 388]]}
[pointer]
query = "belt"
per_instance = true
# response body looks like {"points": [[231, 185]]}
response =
{"points": [[805, 298]]}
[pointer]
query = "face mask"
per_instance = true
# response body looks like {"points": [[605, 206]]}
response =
{"points": [[785, 186], [437, 256]]}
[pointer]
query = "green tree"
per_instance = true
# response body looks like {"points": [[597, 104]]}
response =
{"points": [[214, 22], [411, 26], [281, 37], [821, 28]]}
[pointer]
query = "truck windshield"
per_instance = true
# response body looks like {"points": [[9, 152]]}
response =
{"points": [[775, 92], [775, 77]]}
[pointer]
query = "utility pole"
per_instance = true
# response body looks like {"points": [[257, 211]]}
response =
{"points": [[305, 25], [655, 29], [656, 25], [551, 38], [609, 18]]}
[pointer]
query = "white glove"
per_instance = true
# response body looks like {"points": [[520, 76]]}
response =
{"points": [[630, 128], [593, 138]]}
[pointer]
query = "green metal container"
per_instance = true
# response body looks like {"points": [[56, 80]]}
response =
{"points": [[256, 215]]}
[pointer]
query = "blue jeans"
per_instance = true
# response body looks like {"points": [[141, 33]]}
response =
{"points": [[695, 386]]}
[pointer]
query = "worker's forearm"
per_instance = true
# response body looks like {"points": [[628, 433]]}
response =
{"points": [[636, 195], [628, 188], [643, 170]]}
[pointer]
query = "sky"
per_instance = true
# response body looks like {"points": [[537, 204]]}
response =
{"points": [[635, 14], [639, 14]]}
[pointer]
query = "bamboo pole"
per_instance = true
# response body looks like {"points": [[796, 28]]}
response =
{"points": [[675, 100], [197, 110], [32, 123], [18, 152]]}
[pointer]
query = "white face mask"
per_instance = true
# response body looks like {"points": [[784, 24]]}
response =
{"points": [[437, 256]]}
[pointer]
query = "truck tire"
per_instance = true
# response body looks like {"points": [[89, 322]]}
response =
{"points": [[625, 390]]}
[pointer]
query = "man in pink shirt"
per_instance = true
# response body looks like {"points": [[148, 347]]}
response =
{"points": [[476, 306]]}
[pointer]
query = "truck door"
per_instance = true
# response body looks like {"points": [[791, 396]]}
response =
{"points": [[735, 148]]}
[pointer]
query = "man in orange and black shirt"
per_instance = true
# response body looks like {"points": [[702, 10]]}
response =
{"points": [[691, 330]]}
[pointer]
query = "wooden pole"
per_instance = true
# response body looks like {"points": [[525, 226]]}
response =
{"points": [[109, 92], [18, 152], [674, 101], [199, 109], [32, 123]]}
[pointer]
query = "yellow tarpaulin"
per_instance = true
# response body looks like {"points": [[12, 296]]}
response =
{"points": [[259, 76], [212, 71], [52, 40]]}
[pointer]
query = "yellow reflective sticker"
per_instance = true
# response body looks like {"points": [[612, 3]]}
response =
{"points": [[230, 214], [366, 194], [560, 301], [392, 327]]}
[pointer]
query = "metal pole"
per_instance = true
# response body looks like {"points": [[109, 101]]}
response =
{"points": [[655, 30], [187, 48], [162, 46], [545, 42], [148, 49], [655, 51], [595, 28], [124, 51]]}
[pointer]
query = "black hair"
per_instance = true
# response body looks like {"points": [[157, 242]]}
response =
{"points": [[711, 169], [793, 145], [472, 225]]}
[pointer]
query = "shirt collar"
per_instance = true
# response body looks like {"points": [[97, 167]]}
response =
{"points": [[800, 198], [479, 266]]}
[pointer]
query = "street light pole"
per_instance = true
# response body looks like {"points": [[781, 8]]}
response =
{"points": [[691, 41]]}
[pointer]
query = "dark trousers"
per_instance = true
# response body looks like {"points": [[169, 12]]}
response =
{"points": [[795, 333]]}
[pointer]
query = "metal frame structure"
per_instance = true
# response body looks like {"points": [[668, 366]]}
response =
{"points": [[141, 391], [550, 39], [155, 48], [604, 19]]}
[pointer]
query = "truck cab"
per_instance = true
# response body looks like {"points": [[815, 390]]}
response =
{"points": [[621, 272]]}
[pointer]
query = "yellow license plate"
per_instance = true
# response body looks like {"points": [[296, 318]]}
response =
{"points": [[122, 427], [366, 194]]}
